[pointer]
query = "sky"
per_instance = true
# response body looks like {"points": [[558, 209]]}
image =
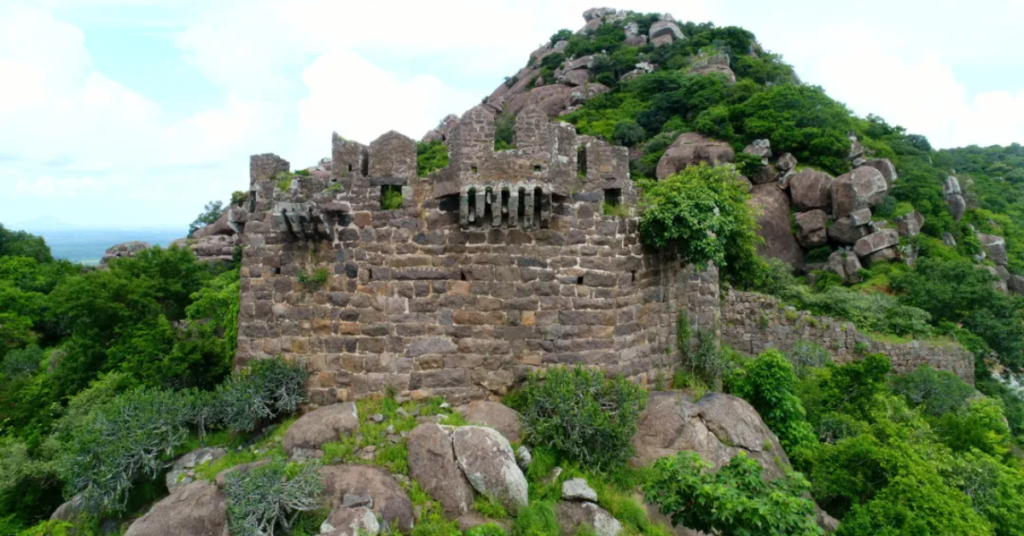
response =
{"points": [[135, 113]]}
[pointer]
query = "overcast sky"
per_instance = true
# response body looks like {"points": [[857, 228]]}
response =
{"points": [[134, 113]]}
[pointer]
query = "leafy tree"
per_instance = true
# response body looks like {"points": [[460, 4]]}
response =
{"points": [[628, 133], [212, 212], [23, 244], [430, 157], [734, 501], [701, 214]]}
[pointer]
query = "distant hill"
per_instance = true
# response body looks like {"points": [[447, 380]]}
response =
{"points": [[86, 246]]}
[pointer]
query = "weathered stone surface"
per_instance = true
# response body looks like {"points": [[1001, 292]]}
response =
{"points": [[345, 521], [69, 510], [811, 189], [486, 458], [432, 464], [863, 187], [182, 471], [786, 162], [576, 489], [576, 77], [197, 509], [760, 148], [390, 502], [691, 148], [765, 174], [1015, 284], [882, 256], [811, 228], [910, 224], [846, 265], [995, 248], [774, 222], [885, 167], [957, 206], [877, 241], [495, 415], [321, 426], [948, 240], [574, 515], [665, 27], [126, 249], [951, 186], [717, 427]]}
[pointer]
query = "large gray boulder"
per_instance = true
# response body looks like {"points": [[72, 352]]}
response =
{"points": [[390, 502], [692, 148], [717, 427], [486, 458], [910, 225], [321, 426], [995, 248], [951, 186], [348, 521], [663, 28], [575, 515], [495, 415], [182, 471], [773, 219], [957, 206], [863, 187], [760, 148], [811, 228], [577, 489], [877, 241], [126, 249], [846, 265], [197, 509], [846, 231], [811, 189], [885, 167], [432, 464]]}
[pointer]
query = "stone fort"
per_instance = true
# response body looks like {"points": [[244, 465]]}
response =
{"points": [[501, 263]]}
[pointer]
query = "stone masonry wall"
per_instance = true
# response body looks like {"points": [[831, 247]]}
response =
{"points": [[430, 305], [752, 323]]}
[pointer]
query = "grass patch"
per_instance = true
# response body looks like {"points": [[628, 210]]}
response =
{"points": [[490, 508]]}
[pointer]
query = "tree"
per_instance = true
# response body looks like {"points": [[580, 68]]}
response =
{"points": [[210, 214]]}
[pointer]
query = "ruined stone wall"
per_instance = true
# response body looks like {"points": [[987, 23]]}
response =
{"points": [[752, 323], [430, 303]]}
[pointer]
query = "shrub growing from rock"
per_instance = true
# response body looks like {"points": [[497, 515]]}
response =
{"points": [[271, 497], [260, 393], [582, 414]]}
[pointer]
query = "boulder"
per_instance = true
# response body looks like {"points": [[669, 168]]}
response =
{"points": [[222, 477], [811, 226], [877, 241], [846, 265], [773, 219], [765, 174], [432, 464], [786, 162], [663, 28], [576, 489], [197, 509], [861, 217], [126, 249], [390, 502], [845, 231], [321, 426], [909, 225], [486, 458], [760, 148], [574, 515], [1015, 284], [856, 149], [995, 248], [883, 256], [577, 77], [714, 68], [691, 148], [957, 206], [219, 227], [69, 510], [999, 283], [863, 187], [951, 186], [810, 189], [598, 13], [717, 427], [494, 414], [552, 99], [885, 167], [443, 129], [182, 471], [345, 521], [948, 240]]}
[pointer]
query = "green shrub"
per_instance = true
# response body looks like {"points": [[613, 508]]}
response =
{"points": [[583, 415], [614, 209], [211, 213], [683, 333], [701, 214], [537, 519], [937, 392], [18, 364], [561, 35], [805, 355], [487, 529], [271, 497], [313, 280], [705, 361], [734, 501], [748, 164], [504, 132], [256, 395], [121, 442], [628, 133], [430, 157], [390, 197], [283, 181]]}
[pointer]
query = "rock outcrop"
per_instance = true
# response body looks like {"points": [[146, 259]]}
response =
{"points": [[495, 415], [197, 509], [995, 248], [321, 426], [810, 189], [182, 471], [432, 464], [691, 148], [811, 228], [126, 249], [574, 515], [876, 242], [486, 458], [863, 187], [779, 242], [954, 197], [389, 501]]}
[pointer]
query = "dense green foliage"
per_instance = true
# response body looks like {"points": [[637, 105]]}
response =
{"points": [[430, 157], [582, 414], [733, 501], [268, 499], [210, 214], [701, 214]]}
